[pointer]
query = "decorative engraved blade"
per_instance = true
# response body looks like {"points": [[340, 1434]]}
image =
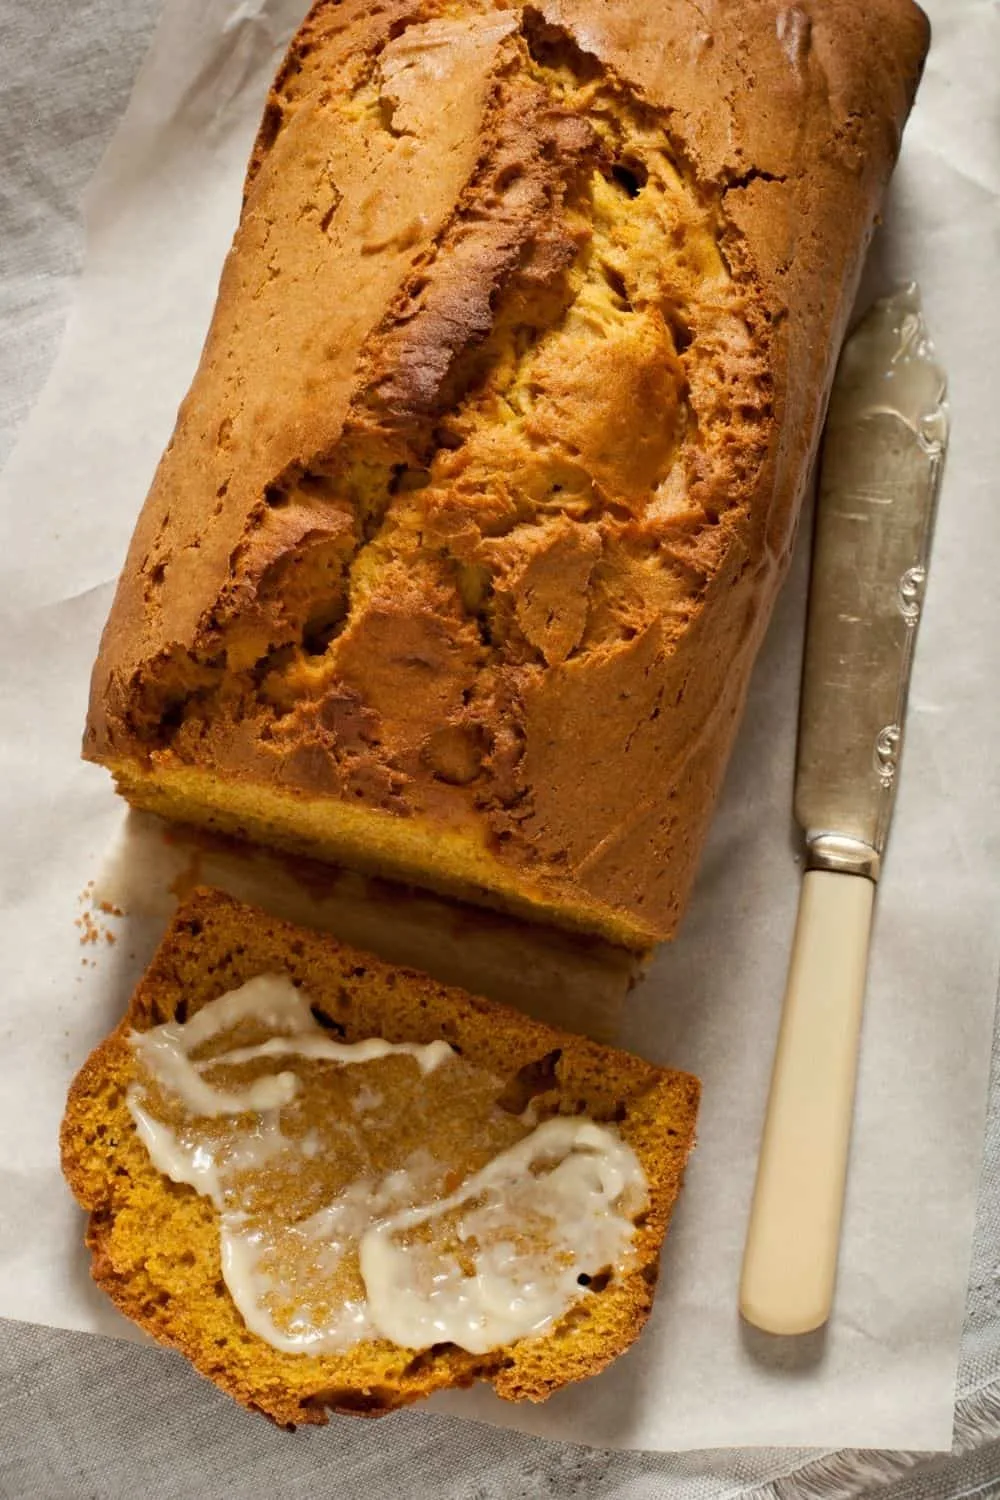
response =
{"points": [[883, 454]]}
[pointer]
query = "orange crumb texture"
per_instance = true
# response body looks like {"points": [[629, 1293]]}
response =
{"points": [[91, 930]]}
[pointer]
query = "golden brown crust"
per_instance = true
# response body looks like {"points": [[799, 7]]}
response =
{"points": [[154, 1245], [479, 501]]}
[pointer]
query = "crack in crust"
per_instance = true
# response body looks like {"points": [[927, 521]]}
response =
{"points": [[549, 272]]}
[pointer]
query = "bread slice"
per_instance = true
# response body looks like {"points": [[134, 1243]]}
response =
{"points": [[456, 564], [155, 1243]]}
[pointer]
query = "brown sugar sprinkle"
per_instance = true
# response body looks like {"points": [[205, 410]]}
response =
{"points": [[109, 910]]}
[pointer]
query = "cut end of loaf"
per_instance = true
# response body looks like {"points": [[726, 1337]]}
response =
{"points": [[154, 1244], [452, 859]]}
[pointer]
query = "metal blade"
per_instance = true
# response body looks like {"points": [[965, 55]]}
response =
{"points": [[883, 455]]}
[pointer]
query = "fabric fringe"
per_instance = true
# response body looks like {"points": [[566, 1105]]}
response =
{"points": [[846, 1475], [977, 1418], [853, 1474]]}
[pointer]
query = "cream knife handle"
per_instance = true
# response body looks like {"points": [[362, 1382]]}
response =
{"points": [[790, 1260]]}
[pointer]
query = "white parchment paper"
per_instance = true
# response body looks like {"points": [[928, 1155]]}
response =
{"points": [[160, 214]]}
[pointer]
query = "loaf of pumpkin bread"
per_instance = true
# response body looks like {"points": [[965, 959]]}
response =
{"points": [[457, 562], [172, 1248]]}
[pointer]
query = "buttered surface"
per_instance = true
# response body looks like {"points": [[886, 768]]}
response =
{"points": [[374, 1190]]}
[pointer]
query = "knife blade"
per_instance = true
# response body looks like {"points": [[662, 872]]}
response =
{"points": [[883, 455]]}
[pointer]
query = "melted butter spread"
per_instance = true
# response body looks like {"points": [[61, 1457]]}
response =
{"points": [[372, 1189]]}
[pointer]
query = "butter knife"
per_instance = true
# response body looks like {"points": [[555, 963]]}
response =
{"points": [[883, 454]]}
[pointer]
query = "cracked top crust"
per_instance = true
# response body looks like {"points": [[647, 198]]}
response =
{"points": [[479, 500]]}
